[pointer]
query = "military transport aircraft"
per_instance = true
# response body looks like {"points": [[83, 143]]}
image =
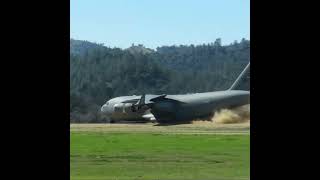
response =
{"points": [[175, 108]]}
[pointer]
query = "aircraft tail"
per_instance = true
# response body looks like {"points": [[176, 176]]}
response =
{"points": [[236, 83]]}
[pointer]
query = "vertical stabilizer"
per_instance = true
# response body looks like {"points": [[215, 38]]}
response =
{"points": [[236, 83]]}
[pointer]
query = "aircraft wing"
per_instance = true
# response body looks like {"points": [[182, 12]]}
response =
{"points": [[151, 99], [160, 106]]}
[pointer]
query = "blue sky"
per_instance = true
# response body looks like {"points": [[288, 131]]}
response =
{"points": [[153, 23]]}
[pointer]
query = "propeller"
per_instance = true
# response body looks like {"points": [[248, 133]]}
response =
{"points": [[142, 100], [141, 103]]}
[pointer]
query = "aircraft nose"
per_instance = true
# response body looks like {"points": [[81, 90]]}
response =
{"points": [[104, 109]]}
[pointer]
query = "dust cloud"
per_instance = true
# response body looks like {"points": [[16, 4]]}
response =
{"points": [[228, 116]]}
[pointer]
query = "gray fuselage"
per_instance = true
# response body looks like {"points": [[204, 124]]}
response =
{"points": [[176, 107]]}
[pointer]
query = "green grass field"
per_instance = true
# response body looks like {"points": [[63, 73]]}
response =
{"points": [[101, 154]]}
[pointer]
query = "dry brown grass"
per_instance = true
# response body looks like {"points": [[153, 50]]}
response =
{"points": [[199, 128]]}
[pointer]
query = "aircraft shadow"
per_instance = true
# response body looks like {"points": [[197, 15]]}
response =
{"points": [[172, 123]]}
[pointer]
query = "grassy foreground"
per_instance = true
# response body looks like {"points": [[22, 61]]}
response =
{"points": [[164, 156]]}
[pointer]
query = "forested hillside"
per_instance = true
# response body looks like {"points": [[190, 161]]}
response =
{"points": [[98, 73]]}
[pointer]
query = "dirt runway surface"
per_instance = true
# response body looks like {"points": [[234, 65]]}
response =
{"points": [[196, 128]]}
